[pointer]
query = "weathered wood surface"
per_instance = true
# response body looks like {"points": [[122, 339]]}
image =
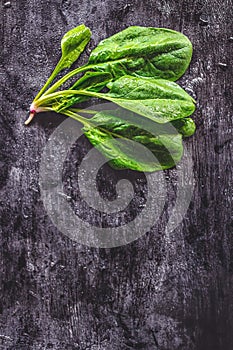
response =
{"points": [[152, 293]]}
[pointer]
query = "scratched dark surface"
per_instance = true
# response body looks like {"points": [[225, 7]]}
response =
{"points": [[158, 292]]}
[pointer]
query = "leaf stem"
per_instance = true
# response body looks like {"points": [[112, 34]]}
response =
{"points": [[31, 116], [34, 110], [61, 81], [86, 111], [77, 117], [76, 71], [47, 98], [50, 79]]}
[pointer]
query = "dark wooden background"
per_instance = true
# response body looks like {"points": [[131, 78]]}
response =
{"points": [[58, 294]]}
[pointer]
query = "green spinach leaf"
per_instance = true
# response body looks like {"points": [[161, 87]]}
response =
{"points": [[159, 100], [185, 126], [166, 148], [72, 44], [144, 51]]}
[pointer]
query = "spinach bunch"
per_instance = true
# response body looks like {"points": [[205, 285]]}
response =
{"points": [[135, 69]]}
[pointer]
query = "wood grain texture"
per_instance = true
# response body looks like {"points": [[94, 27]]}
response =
{"points": [[158, 292]]}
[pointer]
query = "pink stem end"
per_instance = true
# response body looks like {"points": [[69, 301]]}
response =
{"points": [[31, 116]]}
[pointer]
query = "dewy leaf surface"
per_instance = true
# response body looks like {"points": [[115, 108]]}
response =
{"points": [[159, 100], [116, 137], [72, 44], [145, 88], [144, 51]]}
